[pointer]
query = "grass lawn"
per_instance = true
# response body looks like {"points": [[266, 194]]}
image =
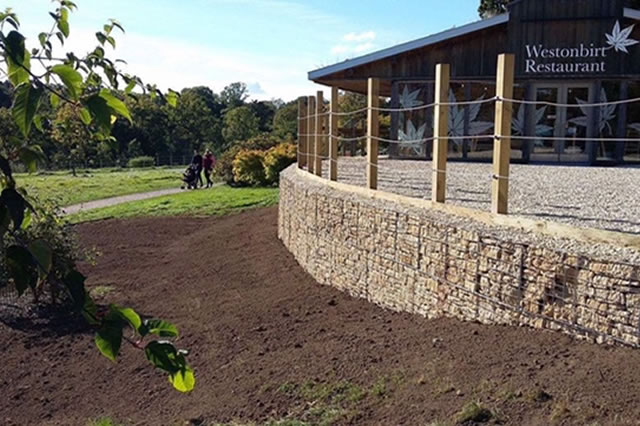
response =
{"points": [[91, 185], [202, 202]]}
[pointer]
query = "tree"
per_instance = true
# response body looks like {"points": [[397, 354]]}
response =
{"points": [[240, 124], [72, 137], [489, 8], [234, 95], [87, 87], [285, 121], [265, 111], [194, 125]]}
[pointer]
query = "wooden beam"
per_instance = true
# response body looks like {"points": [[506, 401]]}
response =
{"points": [[441, 134], [373, 131], [319, 138], [333, 135], [302, 131], [311, 130], [502, 142]]}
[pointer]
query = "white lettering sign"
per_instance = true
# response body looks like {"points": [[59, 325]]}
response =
{"points": [[582, 59]]}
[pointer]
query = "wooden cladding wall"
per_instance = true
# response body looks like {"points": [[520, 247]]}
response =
{"points": [[576, 26]]}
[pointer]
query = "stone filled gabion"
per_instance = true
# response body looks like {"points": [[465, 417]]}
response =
{"points": [[437, 264]]}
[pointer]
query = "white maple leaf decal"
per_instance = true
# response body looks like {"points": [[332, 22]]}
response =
{"points": [[413, 138], [409, 100], [619, 39]]}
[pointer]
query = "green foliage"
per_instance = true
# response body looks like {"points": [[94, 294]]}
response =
{"points": [[36, 253], [240, 124], [489, 8], [234, 95], [217, 201], [143, 161], [277, 159], [285, 121], [224, 165], [248, 168]]}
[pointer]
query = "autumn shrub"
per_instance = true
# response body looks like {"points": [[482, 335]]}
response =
{"points": [[224, 165], [248, 168], [277, 159]]}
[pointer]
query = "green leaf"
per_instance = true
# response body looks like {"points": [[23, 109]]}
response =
{"points": [[163, 355], [172, 98], [63, 21], [159, 328], [16, 205], [109, 339], [101, 38], [54, 100], [74, 281], [85, 116], [100, 111], [18, 59], [21, 268], [184, 380], [116, 105], [71, 79], [43, 254], [25, 105], [129, 315], [130, 86], [37, 121], [28, 217], [14, 47], [112, 41], [31, 156]]}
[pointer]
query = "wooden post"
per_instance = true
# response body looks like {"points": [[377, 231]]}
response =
{"points": [[502, 142], [302, 131], [441, 134], [311, 130], [333, 135], [318, 151], [373, 132]]}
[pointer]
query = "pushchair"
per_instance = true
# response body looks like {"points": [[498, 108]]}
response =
{"points": [[190, 177]]}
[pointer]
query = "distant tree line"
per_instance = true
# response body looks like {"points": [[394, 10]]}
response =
{"points": [[489, 8], [202, 119]]}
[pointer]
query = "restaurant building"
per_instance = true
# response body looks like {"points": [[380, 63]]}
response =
{"points": [[568, 53]]}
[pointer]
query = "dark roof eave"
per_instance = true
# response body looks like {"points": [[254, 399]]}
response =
{"points": [[411, 45]]}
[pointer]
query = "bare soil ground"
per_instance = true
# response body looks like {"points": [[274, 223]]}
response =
{"points": [[271, 345]]}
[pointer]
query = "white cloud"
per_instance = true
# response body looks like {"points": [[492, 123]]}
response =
{"points": [[177, 64], [359, 37], [354, 44]]}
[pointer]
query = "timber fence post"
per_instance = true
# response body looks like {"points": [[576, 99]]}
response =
{"points": [[302, 132], [311, 130], [441, 134], [333, 135], [319, 138], [373, 131], [502, 138]]}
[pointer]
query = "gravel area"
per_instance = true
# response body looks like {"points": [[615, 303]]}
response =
{"points": [[591, 197]]}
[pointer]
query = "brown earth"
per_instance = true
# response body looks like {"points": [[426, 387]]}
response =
{"points": [[270, 344]]}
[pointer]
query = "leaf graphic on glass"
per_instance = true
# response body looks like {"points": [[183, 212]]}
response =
{"points": [[519, 122], [607, 113], [413, 138], [635, 126], [456, 119], [619, 39], [409, 99]]}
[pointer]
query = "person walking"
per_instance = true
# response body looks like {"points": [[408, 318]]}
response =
{"points": [[197, 161], [208, 164]]}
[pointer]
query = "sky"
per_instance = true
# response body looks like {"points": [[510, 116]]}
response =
{"points": [[270, 45]]}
